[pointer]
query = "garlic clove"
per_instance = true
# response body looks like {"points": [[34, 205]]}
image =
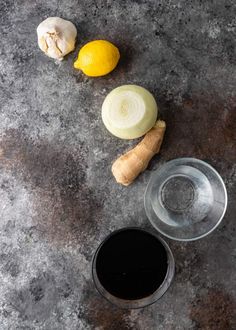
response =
{"points": [[56, 37]]}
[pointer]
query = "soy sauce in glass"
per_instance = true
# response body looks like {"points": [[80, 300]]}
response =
{"points": [[131, 264]]}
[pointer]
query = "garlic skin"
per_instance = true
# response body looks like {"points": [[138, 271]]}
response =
{"points": [[56, 37]]}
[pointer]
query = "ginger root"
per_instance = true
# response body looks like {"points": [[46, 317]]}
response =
{"points": [[128, 166]]}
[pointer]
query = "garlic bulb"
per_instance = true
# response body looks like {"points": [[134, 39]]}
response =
{"points": [[56, 37]]}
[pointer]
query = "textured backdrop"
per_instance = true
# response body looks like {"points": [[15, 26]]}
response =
{"points": [[58, 199]]}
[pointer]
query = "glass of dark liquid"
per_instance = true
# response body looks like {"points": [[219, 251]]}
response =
{"points": [[133, 267]]}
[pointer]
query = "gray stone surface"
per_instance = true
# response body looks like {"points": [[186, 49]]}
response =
{"points": [[58, 199]]}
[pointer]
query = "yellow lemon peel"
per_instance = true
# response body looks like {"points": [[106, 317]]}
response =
{"points": [[97, 58]]}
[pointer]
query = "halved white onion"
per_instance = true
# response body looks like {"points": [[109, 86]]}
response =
{"points": [[129, 111]]}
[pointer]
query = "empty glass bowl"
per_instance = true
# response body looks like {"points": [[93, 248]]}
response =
{"points": [[186, 199]]}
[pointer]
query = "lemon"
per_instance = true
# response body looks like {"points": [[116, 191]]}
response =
{"points": [[97, 58]]}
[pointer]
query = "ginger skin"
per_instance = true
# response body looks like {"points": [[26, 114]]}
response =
{"points": [[128, 166]]}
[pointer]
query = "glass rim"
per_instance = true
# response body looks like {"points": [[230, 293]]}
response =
{"points": [[143, 302], [218, 222]]}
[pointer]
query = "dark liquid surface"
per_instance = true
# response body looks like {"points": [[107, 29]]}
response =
{"points": [[131, 264]]}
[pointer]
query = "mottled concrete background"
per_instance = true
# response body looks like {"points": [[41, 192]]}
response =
{"points": [[58, 199]]}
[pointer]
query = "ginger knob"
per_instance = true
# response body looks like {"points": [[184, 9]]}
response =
{"points": [[128, 166]]}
